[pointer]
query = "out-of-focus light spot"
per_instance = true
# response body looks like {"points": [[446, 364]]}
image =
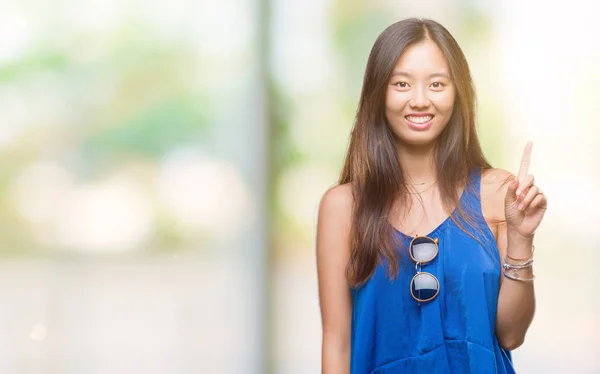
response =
{"points": [[300, 191], [302, 45], [202, 193], [113, 215], [38, 332], [231, 21], [15, 31]]}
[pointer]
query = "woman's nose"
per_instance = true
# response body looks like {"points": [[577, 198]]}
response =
{"points": [[419, 98]]}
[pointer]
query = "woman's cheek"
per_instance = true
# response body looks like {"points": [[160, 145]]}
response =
{"points": [[396, 101], [449, 100]]}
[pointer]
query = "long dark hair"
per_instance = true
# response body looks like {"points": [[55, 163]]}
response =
{"points": [[372, 165]]}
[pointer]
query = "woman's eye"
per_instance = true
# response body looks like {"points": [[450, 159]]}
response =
{"points": [[437, 85], [401, 84]]}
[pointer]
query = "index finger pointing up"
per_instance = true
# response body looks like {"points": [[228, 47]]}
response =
{"points": [[524, 168]]}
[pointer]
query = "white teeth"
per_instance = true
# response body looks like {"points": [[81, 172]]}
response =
{"points": [[419, 119]]}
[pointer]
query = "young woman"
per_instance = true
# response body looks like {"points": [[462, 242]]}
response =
{"points": [[412, 242]]}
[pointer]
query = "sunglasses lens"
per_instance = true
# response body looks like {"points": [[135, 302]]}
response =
{"points": [[424, 287], [423, 249]]}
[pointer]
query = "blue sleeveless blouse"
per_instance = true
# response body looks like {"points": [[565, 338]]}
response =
{"points": [[453, 333]]}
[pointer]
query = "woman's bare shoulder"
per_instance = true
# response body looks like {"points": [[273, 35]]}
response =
{"points": [[494, 184], [335, 217], [337, 200], [496, 176]]}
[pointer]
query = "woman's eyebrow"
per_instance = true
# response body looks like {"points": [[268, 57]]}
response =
{"points": [[404, 73]]}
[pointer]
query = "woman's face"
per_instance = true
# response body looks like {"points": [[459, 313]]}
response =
{"points": [[420, 95]]}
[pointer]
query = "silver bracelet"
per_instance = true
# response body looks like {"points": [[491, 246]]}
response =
{"points": [[509, 266], [523, 259], [517, 278]]}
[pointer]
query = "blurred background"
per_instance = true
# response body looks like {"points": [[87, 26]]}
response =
{"points": [[161, 164]]}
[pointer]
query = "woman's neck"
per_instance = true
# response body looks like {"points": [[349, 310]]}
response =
{"points": [[418, 164]]}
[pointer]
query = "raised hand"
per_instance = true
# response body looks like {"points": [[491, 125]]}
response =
{"points": [[524, 204]]}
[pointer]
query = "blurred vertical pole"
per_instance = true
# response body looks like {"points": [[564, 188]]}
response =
{"points": [[263, 268]]}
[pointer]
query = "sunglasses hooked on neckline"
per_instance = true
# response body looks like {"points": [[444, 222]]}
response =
{"points": [[424, 286]]}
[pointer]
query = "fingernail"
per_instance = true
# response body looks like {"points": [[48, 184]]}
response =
{"points": [[519, 193], [521, 207]]}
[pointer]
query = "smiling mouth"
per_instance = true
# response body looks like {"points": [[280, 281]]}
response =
{"points": [[419, 119]]}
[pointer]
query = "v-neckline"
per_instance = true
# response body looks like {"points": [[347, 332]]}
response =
{"points": [[444, 222]]}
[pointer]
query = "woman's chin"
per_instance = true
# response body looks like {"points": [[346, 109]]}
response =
{"points": [[424, 140]]}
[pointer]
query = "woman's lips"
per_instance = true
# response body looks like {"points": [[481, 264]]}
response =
{"points": [[418, 125]]}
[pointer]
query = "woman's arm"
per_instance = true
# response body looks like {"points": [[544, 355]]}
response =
{"points": [[333, 248], [521, 206], [516, 301]]}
